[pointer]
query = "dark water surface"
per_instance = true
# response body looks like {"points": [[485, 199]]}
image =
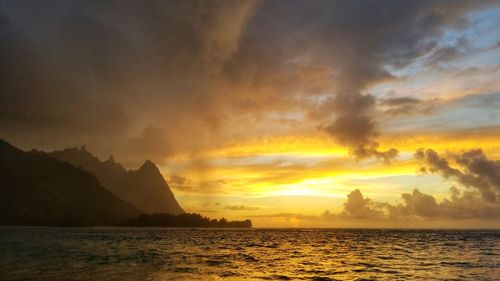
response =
{"points": [[256, 254]]}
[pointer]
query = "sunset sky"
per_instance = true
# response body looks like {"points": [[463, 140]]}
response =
{"points": [[290, 113]]}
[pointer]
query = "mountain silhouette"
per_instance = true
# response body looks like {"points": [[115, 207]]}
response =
{"points": [[37, 189], [145, 188]]}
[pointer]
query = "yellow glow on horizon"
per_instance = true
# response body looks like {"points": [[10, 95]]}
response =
{"points": [[321, 145], [300, 145], [313, 165]]}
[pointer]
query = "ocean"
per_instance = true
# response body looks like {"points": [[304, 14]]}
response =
{"points": [[31, 253]]}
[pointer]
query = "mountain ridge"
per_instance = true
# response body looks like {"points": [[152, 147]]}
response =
{"points": [[145, 187], [36, 189]]}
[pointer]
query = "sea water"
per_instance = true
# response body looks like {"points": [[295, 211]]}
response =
{"points": [[30, 253]]}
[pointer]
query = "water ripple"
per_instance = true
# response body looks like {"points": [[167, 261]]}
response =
{"points": [[193, 254]]}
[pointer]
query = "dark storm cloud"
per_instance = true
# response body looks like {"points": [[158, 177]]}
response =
{"points": [[356, 42], [105, 73], [152, 144], [106, 69], [355, 127], [473, 170], [379, 35]]}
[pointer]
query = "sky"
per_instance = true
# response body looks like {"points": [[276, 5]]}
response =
{"points": [[290, 113]]}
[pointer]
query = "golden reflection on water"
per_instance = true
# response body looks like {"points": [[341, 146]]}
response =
{"points": [[183, 254]]}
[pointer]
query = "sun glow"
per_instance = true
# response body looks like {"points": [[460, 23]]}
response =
{"points": [[308, 187], [311, 166]]}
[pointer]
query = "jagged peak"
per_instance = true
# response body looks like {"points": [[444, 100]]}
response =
{"points": [[148, 163], [111, 159], [148, 166], [81, 152]]}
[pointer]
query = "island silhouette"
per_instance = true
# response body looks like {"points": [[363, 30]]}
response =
{"points": [[74, 188]]}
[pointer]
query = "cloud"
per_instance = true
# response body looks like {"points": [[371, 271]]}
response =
{"points": [[478, 174], [288, 216], [417, 206], [417, 209], [152, 144], [358, 133], [358, 51], [241, 208], [460, 206], [201, 71], [473, 169], [362, 47], [450, 52], [466, 205], [177, 180], [100, 71], [400, 101], [198, 184], [394, 107], [359, 207]]}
